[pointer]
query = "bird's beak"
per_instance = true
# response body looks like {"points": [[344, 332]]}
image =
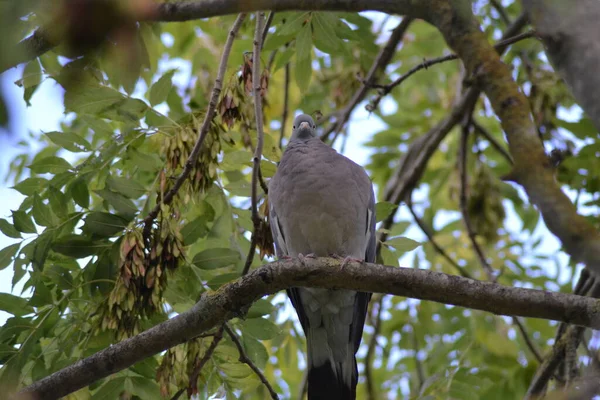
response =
{"points": [[304, 125]]}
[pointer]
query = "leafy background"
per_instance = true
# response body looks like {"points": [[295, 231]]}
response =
{"points": [[87, 277]]}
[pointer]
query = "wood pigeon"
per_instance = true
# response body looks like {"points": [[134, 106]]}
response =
{"points": [[322, 204]]}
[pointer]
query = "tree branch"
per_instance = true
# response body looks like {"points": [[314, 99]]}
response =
{"points": [[381, 61], [246, 360], [429, 233], [386, 89], [210, 114], [215, 308], [286, 96], [532, 168], [256, 175]]}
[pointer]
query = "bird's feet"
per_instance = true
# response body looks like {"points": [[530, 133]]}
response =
{"points": [[346, 260], [303, 257]]}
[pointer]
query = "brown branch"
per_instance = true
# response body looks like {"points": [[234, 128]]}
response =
{"points": [[381, 61], [527, 339], [418, 364], [429, 233], [215, 308], [246, 360], [413, 164], [256, 174], [495, 144], [265, 31], [501, 11], [544, 373], [386, 89], [286, 95], [462, 163], [210, 114]]}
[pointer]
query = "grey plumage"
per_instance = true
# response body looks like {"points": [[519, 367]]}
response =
{"points": [[322, 203]]}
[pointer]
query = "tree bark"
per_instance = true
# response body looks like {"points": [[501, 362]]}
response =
{"points": [[231, 300]]}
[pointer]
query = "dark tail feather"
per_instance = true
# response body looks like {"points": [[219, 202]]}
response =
{"points": [[325, 384]]}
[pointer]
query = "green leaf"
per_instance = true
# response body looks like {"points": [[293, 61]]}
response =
{"points": [[283, 57], [241, 188], [126, 186], [120, 203], [325, 38], [80, 193], [58, 202], [31, 185], [78, 246], [259, 308], [7, 254], [383, 210], [52, 165], [256, 351], [304, 44], [195, 230], [160, 89], [104, 102], [32, 75], [216, 258], [14, 305], [144, 161], [389, 257], [295, 23], [144, 388], [103, 224], [41, 212], [23, 222], [111, 389], [69, 141], [403, 244], [260, 328], [8, 230]]}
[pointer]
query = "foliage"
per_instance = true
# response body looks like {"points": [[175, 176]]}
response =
{"points": [[93, 276]]}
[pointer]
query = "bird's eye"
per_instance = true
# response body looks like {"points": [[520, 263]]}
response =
{"points": [[294, 126]]}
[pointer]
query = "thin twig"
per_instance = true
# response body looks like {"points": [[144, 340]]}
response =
{"points": [[260, 137], [428, 232], [495, 144], [377, 311], [501, 11], [527, 339], [207, 355], [246, 360], [418, 363], [386, 89], [381, 61], [210, 114], [286, 95], [265, 30], [462, 162]]}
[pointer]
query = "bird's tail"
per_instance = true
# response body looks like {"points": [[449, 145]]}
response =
{"points": [[326, 382], [328, 378]]}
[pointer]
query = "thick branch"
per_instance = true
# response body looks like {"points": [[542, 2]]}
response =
{"points": [[214, 308], [188, 10], [531, 169]]}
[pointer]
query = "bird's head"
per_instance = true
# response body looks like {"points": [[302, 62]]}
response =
{"points": [[304, 128]]}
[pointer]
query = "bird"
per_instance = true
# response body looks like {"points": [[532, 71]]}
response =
{"points": [[322, 204]]}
